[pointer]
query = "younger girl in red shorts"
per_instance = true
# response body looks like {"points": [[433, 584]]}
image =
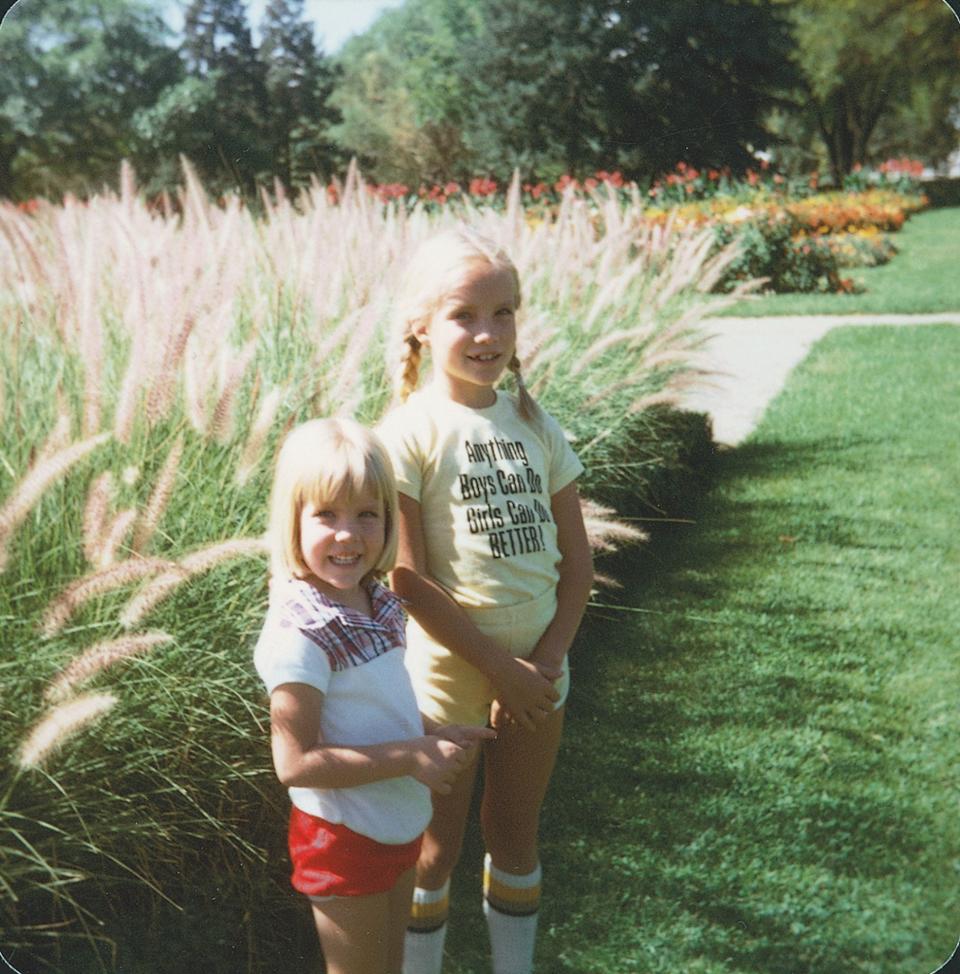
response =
{"points": [[347, 738]]}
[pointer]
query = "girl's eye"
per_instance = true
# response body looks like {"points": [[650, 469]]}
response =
{"points": [[505, 311], [369, 514]]}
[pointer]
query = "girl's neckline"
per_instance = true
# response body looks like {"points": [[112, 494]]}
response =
{"points": [[370, 587], [431, 390]]}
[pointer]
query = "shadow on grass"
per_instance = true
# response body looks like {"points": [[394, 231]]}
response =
{"points": [[661, 812]]}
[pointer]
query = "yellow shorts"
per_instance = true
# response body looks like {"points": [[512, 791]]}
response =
{"points": [[451, 691]]}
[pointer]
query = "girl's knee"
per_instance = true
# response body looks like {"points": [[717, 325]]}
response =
{"points": [[438, 858], [512, 844]]}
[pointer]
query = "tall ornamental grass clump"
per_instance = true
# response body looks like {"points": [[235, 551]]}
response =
{"points": [[151, 357]]}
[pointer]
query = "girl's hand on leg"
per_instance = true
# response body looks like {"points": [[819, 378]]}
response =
{"points": [[465, 736], [438, 761]]}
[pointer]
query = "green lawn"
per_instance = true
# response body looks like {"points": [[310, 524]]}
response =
{"points": [[921, 278], [761, 764]]}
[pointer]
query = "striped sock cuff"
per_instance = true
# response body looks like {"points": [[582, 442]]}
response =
{"points": [[517, 896], [430, 909]]}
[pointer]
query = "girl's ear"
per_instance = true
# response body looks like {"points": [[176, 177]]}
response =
{"points": [[421, 332]]}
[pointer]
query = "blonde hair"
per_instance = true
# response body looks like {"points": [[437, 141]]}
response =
{"points": [[320, 460], [433, 272]]}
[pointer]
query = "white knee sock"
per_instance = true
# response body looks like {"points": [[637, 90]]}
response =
{"points": [[427, 930], [510, 904]]}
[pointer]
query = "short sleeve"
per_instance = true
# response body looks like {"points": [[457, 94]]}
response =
{"points": [[404, 451], [285, 655], [564, 465]]}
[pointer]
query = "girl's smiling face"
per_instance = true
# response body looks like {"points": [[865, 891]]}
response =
{"points": [[473, 334], [341, 542]]}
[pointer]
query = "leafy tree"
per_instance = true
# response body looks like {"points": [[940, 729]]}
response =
{"points": [[217, 115], [75, 73], [400, 95], [564, 85], [299, 81], [880, 77], [702, 77]]}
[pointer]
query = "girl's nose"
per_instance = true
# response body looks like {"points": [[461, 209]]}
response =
{"points": [[485, 333]]}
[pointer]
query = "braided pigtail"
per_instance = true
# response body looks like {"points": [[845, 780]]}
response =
{"points": [[409, 371], [526, 404]]}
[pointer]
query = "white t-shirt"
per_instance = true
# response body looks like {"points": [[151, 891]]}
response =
{"points": [[484, 479], [357, 664]]}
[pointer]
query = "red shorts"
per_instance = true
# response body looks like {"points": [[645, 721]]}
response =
{"points": [[332, 860]]}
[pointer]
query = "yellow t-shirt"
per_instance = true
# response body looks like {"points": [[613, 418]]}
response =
{"points": [[484, 479]]}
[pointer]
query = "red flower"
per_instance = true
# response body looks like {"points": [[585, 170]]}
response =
{"points": [[482, 187]]}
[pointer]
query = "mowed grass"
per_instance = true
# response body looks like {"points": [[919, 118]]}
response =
{"points": [[761, 764], [922, 277]]}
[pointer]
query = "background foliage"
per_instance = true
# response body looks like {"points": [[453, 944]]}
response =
{"points": [[448, 89]]}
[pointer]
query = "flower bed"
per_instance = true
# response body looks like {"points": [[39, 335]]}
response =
{"points": [[795, 235]]}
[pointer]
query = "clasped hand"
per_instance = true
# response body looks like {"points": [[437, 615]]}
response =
{"points": [[441, 756], [526, 695]]}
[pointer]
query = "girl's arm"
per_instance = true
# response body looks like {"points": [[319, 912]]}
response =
{"points": [[575, 582], [525, 692], [302, 762]]}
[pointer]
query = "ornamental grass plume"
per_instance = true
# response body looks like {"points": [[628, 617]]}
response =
{"points": [[604, 531], [186, 568], [96, 583], [95, 510], [114, 534], [162, 392], [99, 657], [59, 437], [252, 451], [61, 723], [221, 421], [159, 498], [26, 494], [78, 259]]}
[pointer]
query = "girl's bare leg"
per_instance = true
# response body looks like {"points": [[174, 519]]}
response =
{"points": [[443, 838], [517, 770], [355, 933], [400, 898], [441, 849]]}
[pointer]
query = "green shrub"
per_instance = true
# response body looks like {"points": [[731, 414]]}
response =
{"points": [[770, 249]]}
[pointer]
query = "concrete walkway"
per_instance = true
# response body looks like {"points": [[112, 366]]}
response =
{"points": [[749, 359]]}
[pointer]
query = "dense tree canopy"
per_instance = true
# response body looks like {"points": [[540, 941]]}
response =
{"points": [[562, 85], [440, 89], [74, 73], [880, 77], [298, 85]]}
